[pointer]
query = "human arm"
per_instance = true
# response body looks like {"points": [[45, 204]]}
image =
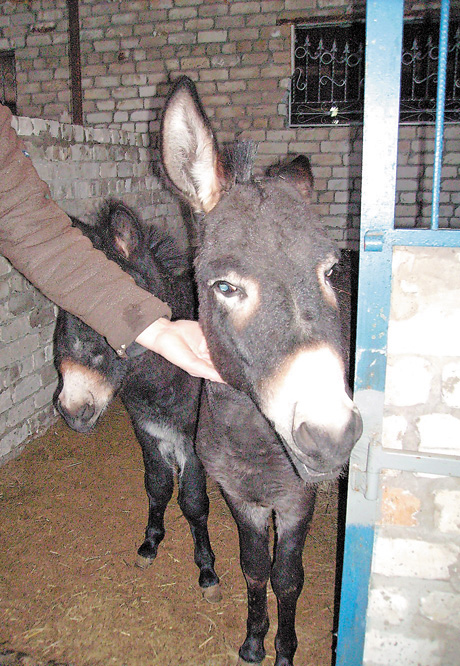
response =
{"points": [[39, 240]]}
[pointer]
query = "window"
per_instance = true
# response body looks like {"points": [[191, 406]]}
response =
{"points": [[327, 86], [8, 80], [419, 74]]}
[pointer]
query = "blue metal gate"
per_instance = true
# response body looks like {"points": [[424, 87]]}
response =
{"points": [[384, 28]]}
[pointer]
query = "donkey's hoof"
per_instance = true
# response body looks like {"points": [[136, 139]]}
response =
{"points": [[143, 562], [212, 594], [241, 662]]}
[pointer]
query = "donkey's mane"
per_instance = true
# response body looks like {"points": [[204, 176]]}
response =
{"points": [[158, 241], [239, 159], [167, 252]]}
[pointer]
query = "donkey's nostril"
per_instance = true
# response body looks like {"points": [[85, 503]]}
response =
{"points": [[86, 412], [309, 440], [303, 438]]}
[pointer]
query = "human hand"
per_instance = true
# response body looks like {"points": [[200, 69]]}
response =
{"points": [[182, 343]]}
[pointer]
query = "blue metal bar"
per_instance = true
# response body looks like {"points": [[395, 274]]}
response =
{"points": [[440, 104], [378, 241], [380, 458], [350, 642], [384, 25]]}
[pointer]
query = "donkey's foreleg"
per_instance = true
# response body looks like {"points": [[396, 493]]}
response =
{"points": [[159, 485], [194, 502], [255, 562], [287, 578]]}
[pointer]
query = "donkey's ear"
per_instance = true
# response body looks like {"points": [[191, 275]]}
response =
{"points": [[126, 232], [189, 151], [298, 172]]}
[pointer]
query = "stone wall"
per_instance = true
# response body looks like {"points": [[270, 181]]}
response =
{"points": [[239, 54], [414, 604], [83, 167]]}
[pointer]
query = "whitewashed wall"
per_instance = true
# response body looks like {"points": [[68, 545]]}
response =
{"points": [[414, 607]]}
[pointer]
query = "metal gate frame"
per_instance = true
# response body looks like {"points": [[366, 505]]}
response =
{"points": [[378, 237]]}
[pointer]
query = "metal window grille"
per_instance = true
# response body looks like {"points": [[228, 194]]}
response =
{"points": [[8, 80], [327, 85]]}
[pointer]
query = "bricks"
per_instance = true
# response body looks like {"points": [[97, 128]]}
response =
{"points": [[442, 607], [212, 36], [450, 388], [399, 507], [385, 647], [447, 505], [413, 558], [394, 429], [408, 381], [389, 604], [439, 433]]}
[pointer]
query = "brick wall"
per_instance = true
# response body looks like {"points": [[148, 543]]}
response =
{"points": [[27, 375], [83, 167], [239, 53], [414, 606]]}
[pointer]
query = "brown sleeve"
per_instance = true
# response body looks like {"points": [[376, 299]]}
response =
{"points": [[38, 239]]}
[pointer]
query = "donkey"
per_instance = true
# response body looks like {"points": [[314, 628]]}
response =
{"points": [[161, 399], [284, 421]]}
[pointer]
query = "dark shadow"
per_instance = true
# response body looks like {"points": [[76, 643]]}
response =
{"points": [[352, 265]]}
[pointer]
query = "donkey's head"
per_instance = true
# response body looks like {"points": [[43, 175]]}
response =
{"points": [[267, 305], [90, 371]]}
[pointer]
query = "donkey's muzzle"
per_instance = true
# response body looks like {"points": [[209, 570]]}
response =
{"points": [[81, 419], [82, 396], [323, 452]]}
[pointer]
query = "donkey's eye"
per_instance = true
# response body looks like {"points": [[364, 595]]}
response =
{"points": [[330, 272], [225, 288]]}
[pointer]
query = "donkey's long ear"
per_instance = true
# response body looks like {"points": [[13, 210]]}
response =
{"points": [[124, 228], [189, 149], [298, 172]]}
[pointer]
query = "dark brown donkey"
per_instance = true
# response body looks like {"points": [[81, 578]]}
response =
{"points": [[161, 399], [284, 422]]}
